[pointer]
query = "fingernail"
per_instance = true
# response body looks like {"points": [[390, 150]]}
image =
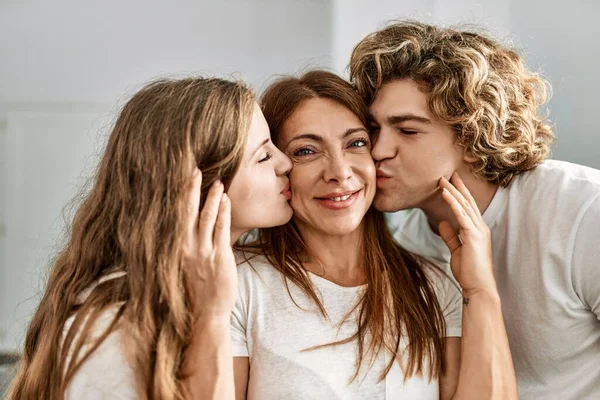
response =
{"points": [[216, 183], [224, 198]]}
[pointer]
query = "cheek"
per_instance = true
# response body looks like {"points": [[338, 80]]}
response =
{"points": [[302, 178]]}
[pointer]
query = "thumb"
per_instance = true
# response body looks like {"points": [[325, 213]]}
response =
{"points": [[449, 235]]}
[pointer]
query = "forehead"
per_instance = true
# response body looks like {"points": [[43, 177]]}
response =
{"points": [[258, 130], [320, 116], [399, 97]]}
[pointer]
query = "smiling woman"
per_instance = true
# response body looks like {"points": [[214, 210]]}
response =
{"points": [[333, 308]]}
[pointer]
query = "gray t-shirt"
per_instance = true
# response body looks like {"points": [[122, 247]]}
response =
{"points": [[546, 243], [276, 333]]}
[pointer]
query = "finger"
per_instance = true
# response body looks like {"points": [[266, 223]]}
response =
{"points": [[222, 236], [458, 183], [449, 235], [194, 202], [208, 215], [462, 202], [463, 219]]}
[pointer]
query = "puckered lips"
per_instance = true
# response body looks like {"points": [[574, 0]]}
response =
{"points": [[286, 192], [382, 178]]}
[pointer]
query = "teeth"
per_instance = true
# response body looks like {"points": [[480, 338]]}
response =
{"points": [[341, 198]]}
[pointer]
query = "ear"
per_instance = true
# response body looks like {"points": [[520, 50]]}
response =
{"points": [[468, 157]]}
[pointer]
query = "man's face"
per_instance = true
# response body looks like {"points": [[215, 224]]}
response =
{"points": [[412, 148]]}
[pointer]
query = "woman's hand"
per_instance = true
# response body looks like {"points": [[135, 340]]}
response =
{"points": [[471, 252], [208, 256]]}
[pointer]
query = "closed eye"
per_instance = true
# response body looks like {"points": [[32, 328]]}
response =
{"points": [[266, 158], [407, 131]]}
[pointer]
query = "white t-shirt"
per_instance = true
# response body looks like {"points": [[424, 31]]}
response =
{"points": [[546, 243], [275, 334], [106, 374]]}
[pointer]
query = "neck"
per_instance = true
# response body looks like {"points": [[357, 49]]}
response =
{"points": [[437, 210], [334, 257], [236, 234]]}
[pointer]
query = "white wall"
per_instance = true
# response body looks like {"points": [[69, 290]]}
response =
{"points": [[562, 38], [65, 64], [354, 19]]}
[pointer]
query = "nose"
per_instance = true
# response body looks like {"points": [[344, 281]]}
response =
{"points": [[283, 165], [338, 169], [383, 146]]}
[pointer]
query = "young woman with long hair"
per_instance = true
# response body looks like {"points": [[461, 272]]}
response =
{"points": [[138, 302]]}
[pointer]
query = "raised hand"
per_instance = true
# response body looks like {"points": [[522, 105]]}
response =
{"points": [[208, 256], [471, 247]]}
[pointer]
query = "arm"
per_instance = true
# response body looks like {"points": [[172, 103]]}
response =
{"points": [[241, 372], [207, 366], [486, 369], [449, 380], [207, 369]]}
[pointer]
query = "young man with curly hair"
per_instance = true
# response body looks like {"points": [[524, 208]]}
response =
{"points": [[444, 101]]}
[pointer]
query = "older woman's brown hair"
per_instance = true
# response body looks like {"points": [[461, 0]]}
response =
{"points": [[399, 301]]}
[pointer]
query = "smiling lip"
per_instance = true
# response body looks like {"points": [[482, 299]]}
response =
{"points": [[345, 199], [286, 192]]}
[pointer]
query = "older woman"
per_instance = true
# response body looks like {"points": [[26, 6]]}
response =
{"points": [[330, 307]]}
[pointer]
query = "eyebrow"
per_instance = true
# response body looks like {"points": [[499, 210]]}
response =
{"points": [[396, 119], [319, 138], [261, 145]]}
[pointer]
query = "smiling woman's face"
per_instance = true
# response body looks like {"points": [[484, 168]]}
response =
{"points": [[333, 176]]}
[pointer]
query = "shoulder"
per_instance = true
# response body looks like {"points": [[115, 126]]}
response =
{"points": [[554, 192], [107, 370], [559, 178], [256, 272], [440, 278]]}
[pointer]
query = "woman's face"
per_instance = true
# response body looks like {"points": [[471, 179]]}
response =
{"points": [[333, 176], [259, 192]]}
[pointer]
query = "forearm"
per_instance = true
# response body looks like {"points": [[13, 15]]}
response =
{"points": [[486, 370], [208, 362]]}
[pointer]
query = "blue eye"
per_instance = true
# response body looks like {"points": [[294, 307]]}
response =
{"points": [[359, 143], [303, 152]]}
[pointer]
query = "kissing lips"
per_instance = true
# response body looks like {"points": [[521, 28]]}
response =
{"points": [[382, 178], [286, 192]]}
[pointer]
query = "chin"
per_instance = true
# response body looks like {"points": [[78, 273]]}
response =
{"points": [[386, 203]]}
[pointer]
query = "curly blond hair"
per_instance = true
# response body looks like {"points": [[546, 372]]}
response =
{"points": [[474, 83]]}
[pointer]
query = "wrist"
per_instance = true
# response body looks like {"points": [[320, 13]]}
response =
{"points": [[212, 316], [487, 294]]}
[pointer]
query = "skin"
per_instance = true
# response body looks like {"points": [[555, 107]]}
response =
{"points": [[412, 150], [259, 182]]}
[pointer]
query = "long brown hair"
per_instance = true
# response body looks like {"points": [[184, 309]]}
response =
{"points": [[133, 219], [477, 85], [399, 300]]}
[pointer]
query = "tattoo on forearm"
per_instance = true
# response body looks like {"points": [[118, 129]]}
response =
{"points": [[466, 301]]}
